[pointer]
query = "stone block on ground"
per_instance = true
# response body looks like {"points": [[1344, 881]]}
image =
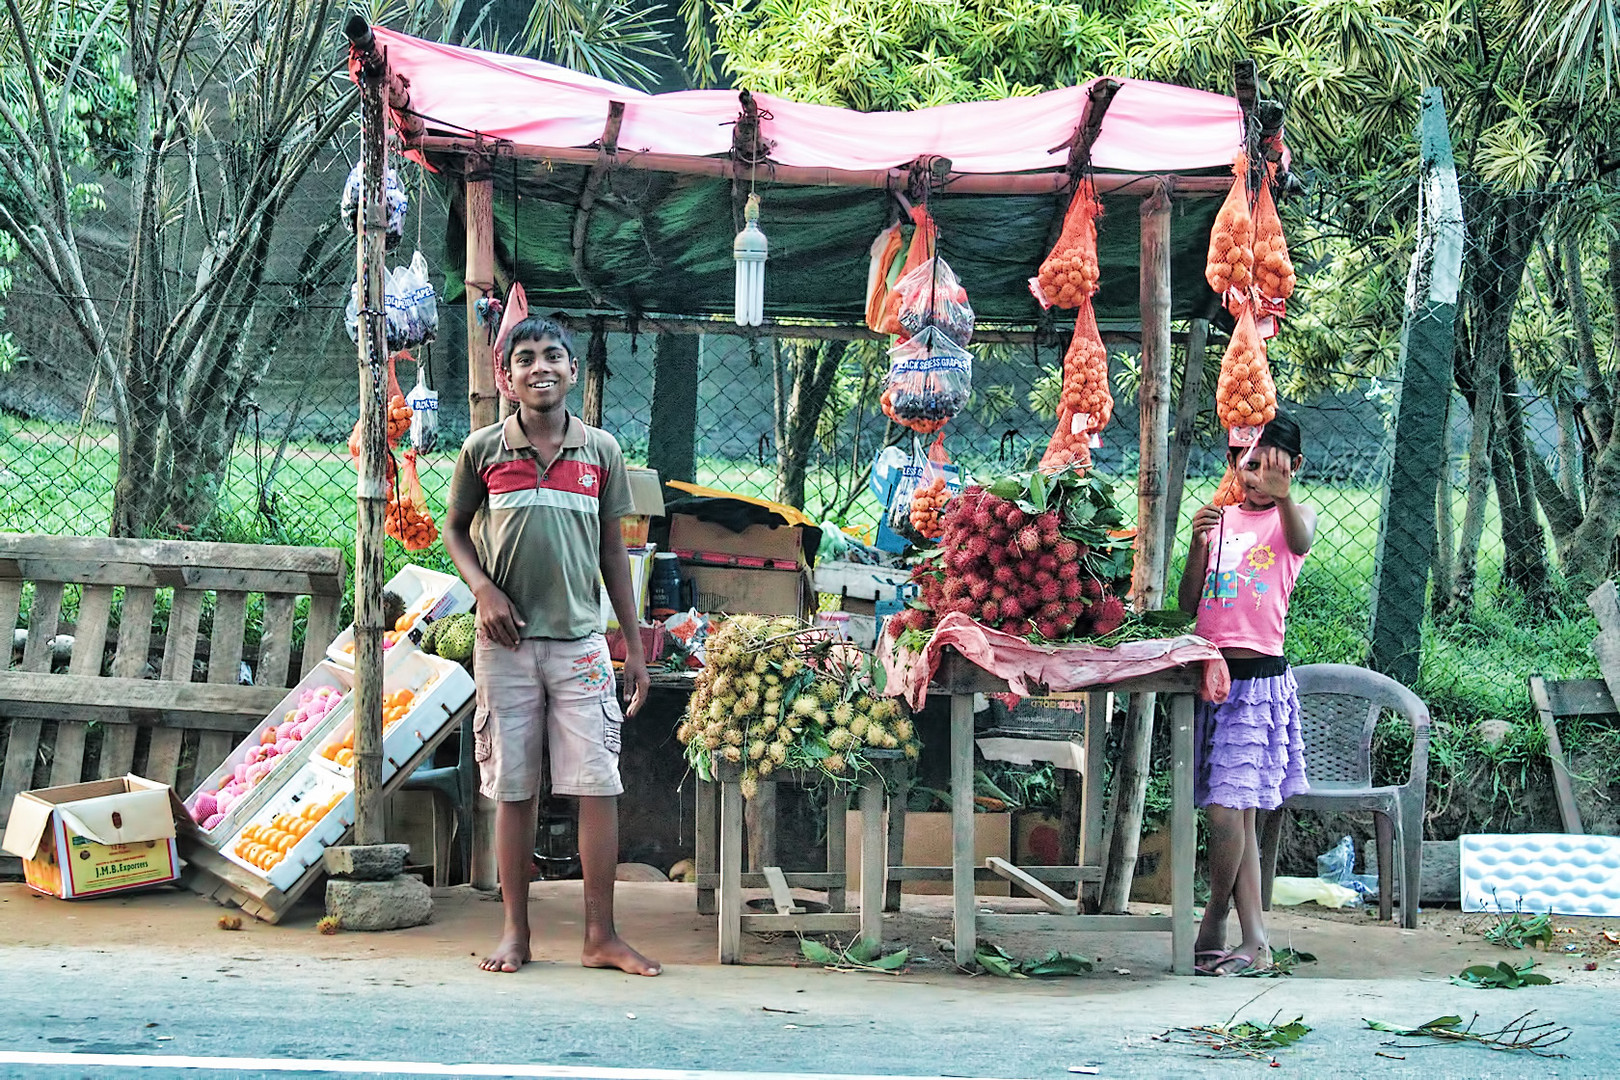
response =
{"points": [[379, 905], [1440, 881], [368, 862]]}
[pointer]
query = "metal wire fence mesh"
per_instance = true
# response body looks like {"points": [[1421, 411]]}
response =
{"points": [[287, 476]]}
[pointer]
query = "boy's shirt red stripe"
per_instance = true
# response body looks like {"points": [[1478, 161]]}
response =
{"points": [[523, 474]]}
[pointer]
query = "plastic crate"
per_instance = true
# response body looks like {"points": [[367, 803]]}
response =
{"points": [[441, 687], [428, 594], [310, 783]]}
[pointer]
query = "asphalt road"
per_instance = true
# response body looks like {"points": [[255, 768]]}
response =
{"points": [[190, 1006]]}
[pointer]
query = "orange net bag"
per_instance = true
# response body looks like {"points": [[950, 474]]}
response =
{"points": [[1273, 269], [1071, 272], [1086, 404], [1230, 491], [407, 519], [921, 250], [398, 413], [1230, 265], [1245, 396]]}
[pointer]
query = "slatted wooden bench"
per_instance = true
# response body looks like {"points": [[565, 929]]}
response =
{"points": [[139, 688]]}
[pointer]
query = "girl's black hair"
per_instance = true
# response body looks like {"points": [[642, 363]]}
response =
{"points": [[1282, 432], [536, 328]]}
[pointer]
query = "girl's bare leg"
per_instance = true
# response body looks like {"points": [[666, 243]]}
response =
{"points": [[1227, 848], [1246, 896]]}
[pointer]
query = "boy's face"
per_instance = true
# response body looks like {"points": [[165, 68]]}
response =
{"points": [[542, 372]]}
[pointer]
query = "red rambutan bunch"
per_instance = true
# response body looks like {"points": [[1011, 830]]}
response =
{"points": [[1107, 615]]}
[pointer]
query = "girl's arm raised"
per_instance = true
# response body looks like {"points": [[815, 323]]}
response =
{"points": [[1194, 574], [1276, 480]]}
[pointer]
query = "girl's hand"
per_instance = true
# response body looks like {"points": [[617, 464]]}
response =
{"points": [[1204, 522], [1275, 474]]}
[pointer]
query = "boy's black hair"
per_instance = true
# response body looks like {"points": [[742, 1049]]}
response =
{"points": [[535, 328], [1282, 432]]}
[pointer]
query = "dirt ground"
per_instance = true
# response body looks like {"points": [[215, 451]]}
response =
{"points": [[661, 920]]}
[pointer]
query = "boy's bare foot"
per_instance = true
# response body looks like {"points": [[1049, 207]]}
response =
{"points": [[614, 953], [511, 954]]}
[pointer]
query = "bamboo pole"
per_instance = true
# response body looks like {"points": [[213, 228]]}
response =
{"points": [[482, 399], [371, 486], [1030, 183], [1147, 580], [658, 324]]}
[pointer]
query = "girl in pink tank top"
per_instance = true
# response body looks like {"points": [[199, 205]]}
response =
{"points": [[1241, 568]]}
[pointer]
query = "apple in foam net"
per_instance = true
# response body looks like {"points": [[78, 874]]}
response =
{"points": [[277, 741]]}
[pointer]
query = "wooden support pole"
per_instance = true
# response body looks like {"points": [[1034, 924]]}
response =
{"points": [[596, 376], [1147, 581], [371, 486], [1192, 398], [482, 399], [1406, 534]]}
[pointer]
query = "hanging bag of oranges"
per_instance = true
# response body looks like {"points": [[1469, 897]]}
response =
{"points": [[1229, 268], [407, 518], [397, 412], [1245, 397], [1273, 269], [1071, 272], [1086, 404]]}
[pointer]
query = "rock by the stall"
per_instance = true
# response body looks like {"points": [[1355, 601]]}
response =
{"points": [[379, 905], [366, 862]]}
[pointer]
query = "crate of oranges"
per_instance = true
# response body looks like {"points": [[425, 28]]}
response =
{"points": [[421, 694], [287, 837], [395, 706]]}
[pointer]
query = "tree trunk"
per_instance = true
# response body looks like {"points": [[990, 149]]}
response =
{"points": [[1592, 546], [1443, 573], [814, 369], [1523, 540], [672, 436]]}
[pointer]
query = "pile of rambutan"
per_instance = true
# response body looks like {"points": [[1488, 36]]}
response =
{"points": [[1050, 574]]}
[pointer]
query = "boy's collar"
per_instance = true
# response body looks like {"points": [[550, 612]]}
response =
{"points": [[513, 439]]}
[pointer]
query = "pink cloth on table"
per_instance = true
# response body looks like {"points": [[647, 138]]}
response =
{"points": [[1058, 669]]}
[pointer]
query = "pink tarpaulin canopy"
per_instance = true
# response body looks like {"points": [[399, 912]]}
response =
{"points": [[1150, 127]]}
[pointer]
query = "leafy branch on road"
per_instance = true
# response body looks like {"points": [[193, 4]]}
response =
{"points": [[1518, 1035], [1254, 1039], [998, 961], [862, 955], [1500, 976]]}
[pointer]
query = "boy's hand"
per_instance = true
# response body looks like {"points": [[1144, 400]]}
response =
{"points": [[497, 619], [637, 684], [1204, 522]]}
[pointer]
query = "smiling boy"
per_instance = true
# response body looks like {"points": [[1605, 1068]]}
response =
{"points": [[552, 489]]}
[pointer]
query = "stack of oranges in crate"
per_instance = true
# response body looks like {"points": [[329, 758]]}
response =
{"points": [[266, 845], [395, 706]]}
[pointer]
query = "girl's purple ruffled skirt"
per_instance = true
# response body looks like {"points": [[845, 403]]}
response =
{"points": [[1249, 753]]}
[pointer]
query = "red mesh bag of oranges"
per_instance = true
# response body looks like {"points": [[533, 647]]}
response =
{"points": [[407, 518], [1245, 397], [1086, 404], [1273, 269], [1071, 273], [397, 412]]}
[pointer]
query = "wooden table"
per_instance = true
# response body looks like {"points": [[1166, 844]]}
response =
{"points": [[960, 679]]}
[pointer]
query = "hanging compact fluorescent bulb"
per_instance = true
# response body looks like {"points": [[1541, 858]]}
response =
{"points": [[750, 251]]}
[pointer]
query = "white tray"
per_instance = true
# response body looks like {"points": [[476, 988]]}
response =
{"points": [[435, 594], [322, 674], [308, 783], [448, 688]]}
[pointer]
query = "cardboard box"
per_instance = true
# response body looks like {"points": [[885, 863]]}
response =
{"points": [[928, 843], [92, 839], [734, 591], [776, 547], [647, 502]]}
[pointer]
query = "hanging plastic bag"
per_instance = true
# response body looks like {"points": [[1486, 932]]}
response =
{"points": [[514, 311], [422, 303], [1086, 404], [1229, 268], [930, 378], [407, 518], [931, 295], [1273, 269], [926, 482], [424, 405], [393, 196], [923, 240], [1071, 272], [398, 413], [885, 249]]}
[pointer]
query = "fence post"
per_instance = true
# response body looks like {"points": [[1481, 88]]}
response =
{"points": [[370, 488], [1406, 532], [672, 433], [479, 205]]}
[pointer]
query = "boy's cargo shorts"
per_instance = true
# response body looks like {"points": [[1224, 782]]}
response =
{"points": [[561, 692]]}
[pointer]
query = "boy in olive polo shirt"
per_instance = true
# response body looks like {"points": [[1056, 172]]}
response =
{"points": [[552, 490]]}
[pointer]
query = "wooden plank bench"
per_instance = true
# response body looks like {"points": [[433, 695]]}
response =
{"points": [[128, 684]]}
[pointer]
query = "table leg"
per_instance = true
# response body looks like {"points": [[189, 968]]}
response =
{"points": [[706, 842], [731, 856], [874, 870], [962, 827], [1098, 708], [897, 833], [1183, 838], [837, 844]]}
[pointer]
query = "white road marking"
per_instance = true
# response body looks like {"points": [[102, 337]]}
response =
{"points": [[412, 1068]]}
